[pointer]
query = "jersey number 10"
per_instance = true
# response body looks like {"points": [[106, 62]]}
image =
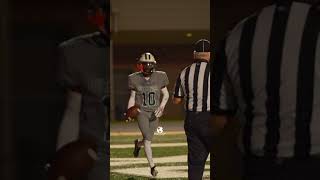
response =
{"points": [[148, 99]]}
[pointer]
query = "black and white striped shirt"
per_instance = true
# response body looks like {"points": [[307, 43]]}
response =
{"points": [[193, 84], [268, 73]]}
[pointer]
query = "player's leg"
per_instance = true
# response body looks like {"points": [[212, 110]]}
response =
{"points": [[143, 123], [137, 146], [197, 150], [153, 124], [147, 124], [138, 143]]}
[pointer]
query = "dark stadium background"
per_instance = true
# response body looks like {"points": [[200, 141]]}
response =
{"points": [[145, 25], [31, 102], [165, 28]]}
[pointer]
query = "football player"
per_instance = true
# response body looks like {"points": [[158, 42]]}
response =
{"points": [[83, 73], [146, 87]]}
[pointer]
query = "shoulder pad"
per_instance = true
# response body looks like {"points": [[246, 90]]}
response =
{"points": [[134, 74], [78, 40], [160, 72]]}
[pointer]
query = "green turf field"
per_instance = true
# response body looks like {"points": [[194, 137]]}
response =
{"points": [[171, 161], [157, 139]]}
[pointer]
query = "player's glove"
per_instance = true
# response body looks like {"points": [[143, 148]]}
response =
{"points": [[129, 119], [159, 111], [132, 113]]}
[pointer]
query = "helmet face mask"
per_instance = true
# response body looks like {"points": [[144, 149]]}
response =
{"points": [[97, 18], [147, 68], [146, 64], [97, 13]]}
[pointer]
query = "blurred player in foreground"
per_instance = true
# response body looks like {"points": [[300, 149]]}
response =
{"points": [[146, 87], [83, 73]]}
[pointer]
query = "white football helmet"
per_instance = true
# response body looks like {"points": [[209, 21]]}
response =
{"points": [[147, 57], [146, 64]]}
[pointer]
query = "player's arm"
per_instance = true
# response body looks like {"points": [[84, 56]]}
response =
{"points": [[69, 127], [132, 89], [177, 97], [132, 98], [165, 95], [131, 104], [165, 98], [223, 102]]}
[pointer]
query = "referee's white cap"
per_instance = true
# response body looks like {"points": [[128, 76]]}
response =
{"points": [[202, 45]]}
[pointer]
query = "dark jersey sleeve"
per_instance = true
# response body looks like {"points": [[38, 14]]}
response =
{"points": [[164, 80], [131, 85], [66, 73]]}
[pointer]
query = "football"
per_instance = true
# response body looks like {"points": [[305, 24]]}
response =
{"points": [[159, 129], [132, 112], [73, 161]]}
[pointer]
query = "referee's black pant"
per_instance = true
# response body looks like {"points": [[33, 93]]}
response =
{"points": [[258, 168], [198, 137]]}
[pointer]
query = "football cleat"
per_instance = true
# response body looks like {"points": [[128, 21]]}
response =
{"points": [[154, 171], [136, 148]]}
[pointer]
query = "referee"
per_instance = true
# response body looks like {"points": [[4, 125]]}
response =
{"points": [[193, 85], [266, 75]]}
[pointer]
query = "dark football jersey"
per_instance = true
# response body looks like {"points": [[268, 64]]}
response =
{"points": [[84, 67], [148, 92]]}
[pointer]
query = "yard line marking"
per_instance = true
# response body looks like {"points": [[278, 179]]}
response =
{"points": [[164, 171], [124, 146], [130, 161], [119, 133]]}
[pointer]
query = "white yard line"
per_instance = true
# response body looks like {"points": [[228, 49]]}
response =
{"points": [[118, 133], [130, 161], [165, 171], [123, 146]]}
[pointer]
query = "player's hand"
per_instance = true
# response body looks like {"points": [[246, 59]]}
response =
{"points": [[159, 112], [128, 119], [132, 113]]}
